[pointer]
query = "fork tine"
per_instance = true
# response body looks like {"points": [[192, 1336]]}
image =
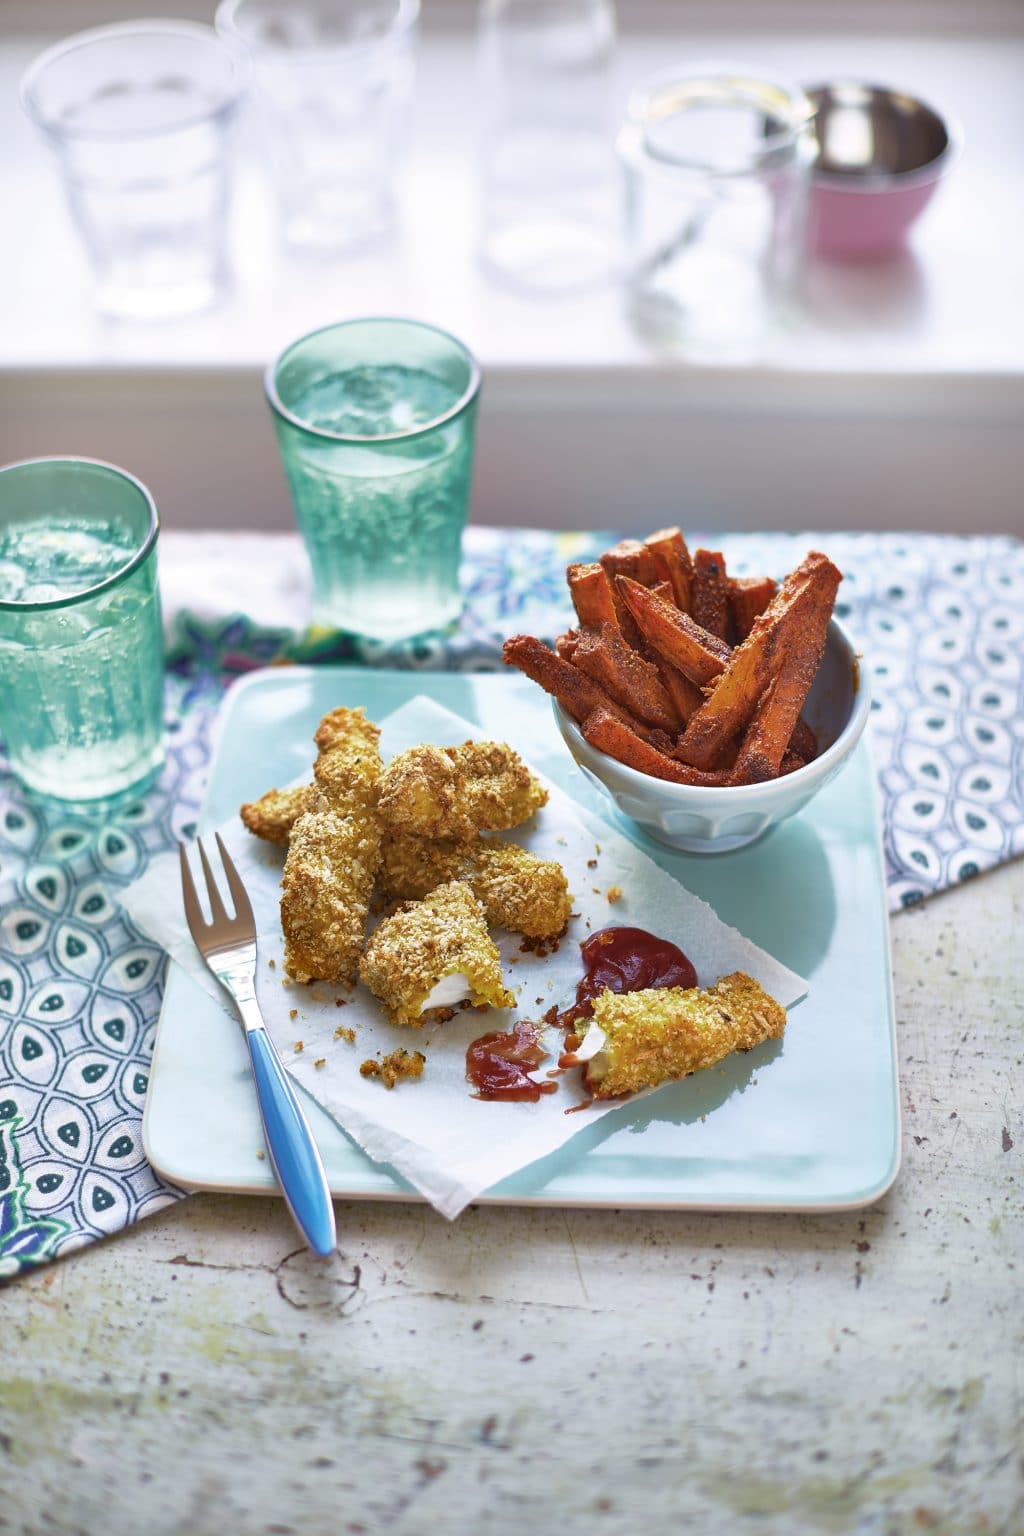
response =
{"points": [[193, 911], [217, 910], [239, 895]]}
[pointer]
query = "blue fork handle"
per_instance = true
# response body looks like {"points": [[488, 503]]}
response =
{"points": [[293, 1152]]}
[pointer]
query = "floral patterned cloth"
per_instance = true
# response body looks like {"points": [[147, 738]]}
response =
{"points": [[941, 624]]}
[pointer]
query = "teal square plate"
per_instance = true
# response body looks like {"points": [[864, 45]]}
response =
{"points": [[811, 1124]]}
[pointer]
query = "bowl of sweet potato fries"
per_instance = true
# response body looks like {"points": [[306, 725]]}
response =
{"points": [[707, 707]]}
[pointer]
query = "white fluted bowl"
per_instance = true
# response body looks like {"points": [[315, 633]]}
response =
{"points": [[701, 819]]}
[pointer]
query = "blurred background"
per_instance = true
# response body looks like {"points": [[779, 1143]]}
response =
{"points": [[891, 397]]}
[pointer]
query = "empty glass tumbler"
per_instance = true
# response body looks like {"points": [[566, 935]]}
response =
{"points": [[333, 82], [81, 644], [375, 420], [550, 201], [140, 117], [716, 164]]}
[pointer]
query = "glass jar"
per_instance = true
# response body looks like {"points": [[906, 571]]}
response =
{"points": [[549, 193], [716, 164]]}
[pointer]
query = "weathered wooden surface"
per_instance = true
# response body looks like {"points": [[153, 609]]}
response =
{"points": [[564, 1371]]}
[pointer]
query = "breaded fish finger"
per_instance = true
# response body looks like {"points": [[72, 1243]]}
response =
{"points": [[328, 882], [274, 814], [455, 792], [432, 954], [640, 1039], [334, 853], [518, 890], [411, 866]]}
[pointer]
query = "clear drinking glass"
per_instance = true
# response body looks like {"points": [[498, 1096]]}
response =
{"points": [[550, 198], [140, 117], [81, 646], [376, 420], [716, 163], [333, 81]]}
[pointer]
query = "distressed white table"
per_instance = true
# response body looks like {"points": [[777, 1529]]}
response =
{"points": [[564, 1371]]}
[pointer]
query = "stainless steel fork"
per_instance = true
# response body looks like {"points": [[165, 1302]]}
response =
{"points": [[228, 945]]}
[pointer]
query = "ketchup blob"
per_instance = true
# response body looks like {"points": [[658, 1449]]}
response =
{"points": [[497, 1064], [625, 960]]}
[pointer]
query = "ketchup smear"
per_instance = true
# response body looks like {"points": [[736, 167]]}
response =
{"points": [[497, 1064], [615, 960], [625, 960]]}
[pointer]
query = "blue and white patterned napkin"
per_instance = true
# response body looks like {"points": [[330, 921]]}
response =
{"points": [[940, 622]]}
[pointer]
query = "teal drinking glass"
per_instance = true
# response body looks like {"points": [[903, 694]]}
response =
{"points": [[375, 420], [81, 644]]}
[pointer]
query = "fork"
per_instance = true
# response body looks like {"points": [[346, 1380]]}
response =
{"points": [[228, 945]]}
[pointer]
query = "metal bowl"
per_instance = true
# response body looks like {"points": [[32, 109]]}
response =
{"points": [[880, 156]]}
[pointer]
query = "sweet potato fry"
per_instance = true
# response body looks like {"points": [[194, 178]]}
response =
{"points": [[611, 736], [592, 595], [748, 596], [673, 634], [628, 558], [573, 689], [626, 677], [709, 600], [565, 645], [804, 600], [690, 658], [672, 563], [663, 589], [803, 742], [686, 696], [770, 731]]}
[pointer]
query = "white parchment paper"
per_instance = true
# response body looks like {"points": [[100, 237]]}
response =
{"points": [[450, 1146]]}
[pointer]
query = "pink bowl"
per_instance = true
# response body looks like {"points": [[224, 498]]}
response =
{"points": [[881, 154]]}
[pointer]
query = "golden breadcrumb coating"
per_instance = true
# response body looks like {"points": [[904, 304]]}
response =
{"points": [[651, 1037], [411, 866], [395, 1065], [518, 891], [274, 814], [455, 792], [348, 768], [334, 853], [445, 934]]}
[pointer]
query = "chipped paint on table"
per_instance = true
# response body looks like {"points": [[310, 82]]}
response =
{"points": [[570, 1371]]}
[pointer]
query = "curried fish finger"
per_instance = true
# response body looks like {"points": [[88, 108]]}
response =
{"points": [[432, 954], [334, 853], [274, 814], [518, 890], [456, 792], [640, 1039]]}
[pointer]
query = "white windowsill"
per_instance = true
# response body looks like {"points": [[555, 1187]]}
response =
{"points": [[935, 339]]}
